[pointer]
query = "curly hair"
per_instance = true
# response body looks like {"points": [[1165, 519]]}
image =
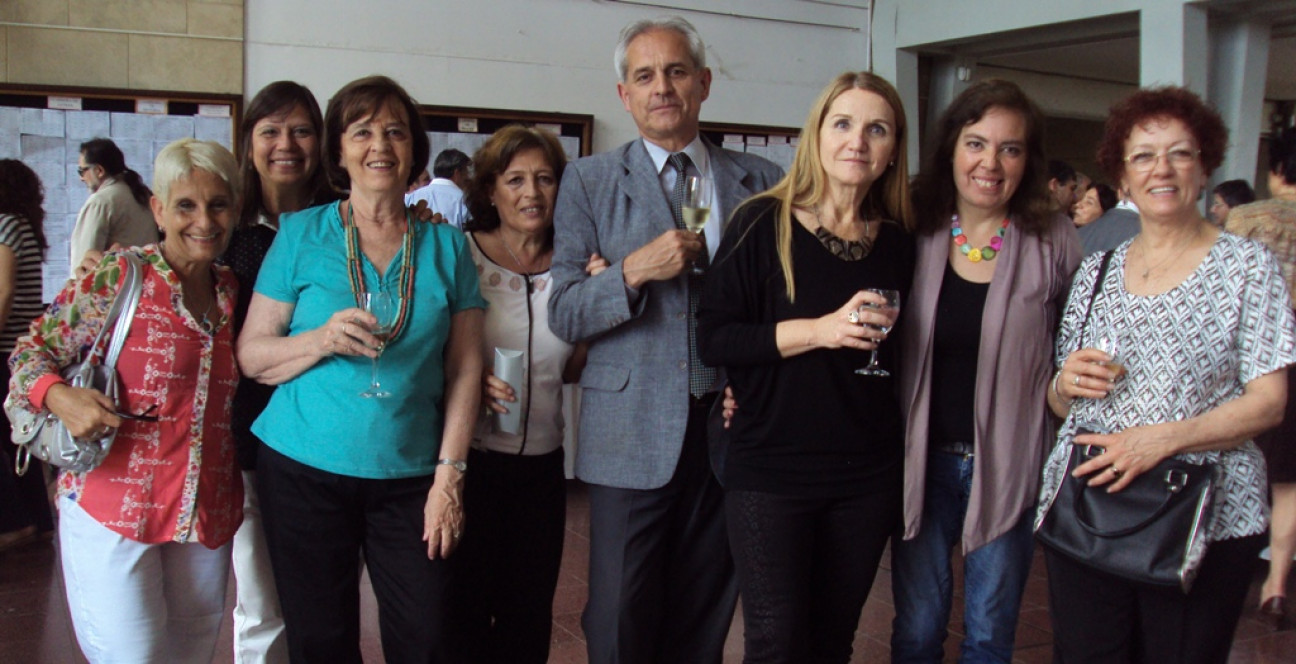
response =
{"points": [[935, 192], [1169, 102], [493, 158], [22, 195]]}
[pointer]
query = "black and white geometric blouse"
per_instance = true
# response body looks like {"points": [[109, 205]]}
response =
{"points": [[1187, 351]]}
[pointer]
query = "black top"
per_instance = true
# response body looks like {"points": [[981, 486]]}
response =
{"points": [[806, 425], [247, 250], [956, 340]]}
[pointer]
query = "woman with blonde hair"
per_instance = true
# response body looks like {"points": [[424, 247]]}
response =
{"points": [[813, 477], [145, 537]]}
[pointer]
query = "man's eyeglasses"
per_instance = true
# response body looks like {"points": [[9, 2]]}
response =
{"points": [[1146, 160], [81, 170]]}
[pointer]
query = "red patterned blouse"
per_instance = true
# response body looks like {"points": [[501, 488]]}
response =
{"points": [[174, 480]]}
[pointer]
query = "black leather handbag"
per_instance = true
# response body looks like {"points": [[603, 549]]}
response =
{"points": [[1153, 531]]}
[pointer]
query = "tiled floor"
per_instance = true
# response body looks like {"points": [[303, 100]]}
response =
{"points": [[35, 628]]}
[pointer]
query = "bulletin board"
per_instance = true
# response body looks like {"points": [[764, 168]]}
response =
{"points": [[777, 144], [44, 127], [467, 129]]}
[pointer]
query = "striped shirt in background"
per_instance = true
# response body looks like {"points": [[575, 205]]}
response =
{"points": [[16, 234]]}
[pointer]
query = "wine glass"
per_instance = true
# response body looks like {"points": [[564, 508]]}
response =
{"points": [[385, 307], [696, 207], [892, 310], [1110, 340]]}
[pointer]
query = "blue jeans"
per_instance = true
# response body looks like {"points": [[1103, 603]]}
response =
{"points": [[994, 575]]}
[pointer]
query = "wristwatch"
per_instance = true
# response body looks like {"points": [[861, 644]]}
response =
{"points": [[461, 466]]}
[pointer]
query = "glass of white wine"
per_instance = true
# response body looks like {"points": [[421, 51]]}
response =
{"points": [[1110, 340], [696, 208], [385, 307], [890, 309]]}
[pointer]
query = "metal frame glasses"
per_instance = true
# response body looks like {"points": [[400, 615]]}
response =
{"points": [[1146, 160]]}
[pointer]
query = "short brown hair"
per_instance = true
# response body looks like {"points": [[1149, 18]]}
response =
{"points": [[936, 194], [494, 157], [362, 98], [1165, 102]]}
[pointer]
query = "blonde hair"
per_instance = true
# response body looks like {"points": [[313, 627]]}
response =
{"points": [[805, 182], [179, 158]]}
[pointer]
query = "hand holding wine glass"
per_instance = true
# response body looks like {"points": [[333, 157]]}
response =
{"points": [[385, 307], [890, 308]]}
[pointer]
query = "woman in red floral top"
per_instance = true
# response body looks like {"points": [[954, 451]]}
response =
{"points": [[145, 536]]}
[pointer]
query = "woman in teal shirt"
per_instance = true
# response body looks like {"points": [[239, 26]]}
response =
{"points": [[340, 474]]}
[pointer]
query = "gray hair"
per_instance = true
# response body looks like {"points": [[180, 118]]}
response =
{"points": [[676, 23], [179, 158]]}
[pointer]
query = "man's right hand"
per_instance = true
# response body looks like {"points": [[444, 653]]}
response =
{"points": [[662, 259]]}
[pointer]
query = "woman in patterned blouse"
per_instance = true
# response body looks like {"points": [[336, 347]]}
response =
{"points": [[1208, 335], [145, 536]]}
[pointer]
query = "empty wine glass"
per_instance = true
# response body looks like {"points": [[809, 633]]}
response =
{"points": [[385, 307], [891, 309]]}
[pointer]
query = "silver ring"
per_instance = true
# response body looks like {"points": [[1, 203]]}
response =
{"points": [[1076, 382], [1115, 471]]}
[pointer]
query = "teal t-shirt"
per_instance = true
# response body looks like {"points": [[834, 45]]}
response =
{"points": [[319, 418]]}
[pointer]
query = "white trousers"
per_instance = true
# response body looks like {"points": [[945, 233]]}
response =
{"points": [[140, 603], [258, 622]]}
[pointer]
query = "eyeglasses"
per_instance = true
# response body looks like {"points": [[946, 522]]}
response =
{"points": [[1147, 160], [81, 170], [143, 417]]}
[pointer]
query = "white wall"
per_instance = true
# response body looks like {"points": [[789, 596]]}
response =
{"points": [[553, 55]]}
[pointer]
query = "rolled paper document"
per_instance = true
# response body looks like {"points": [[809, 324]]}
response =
{"points": [[508, 368]]}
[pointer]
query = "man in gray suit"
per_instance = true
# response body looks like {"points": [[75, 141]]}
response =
{"points": [[661, 577]]}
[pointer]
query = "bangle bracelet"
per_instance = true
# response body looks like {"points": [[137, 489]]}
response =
{"points": [[1065, 401]]}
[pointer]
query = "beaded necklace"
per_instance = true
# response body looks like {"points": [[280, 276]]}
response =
{"points": [[974, 254], [355, 271]]}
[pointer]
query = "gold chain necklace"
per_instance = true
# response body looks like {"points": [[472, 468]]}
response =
{"points": [[1148, 270]]}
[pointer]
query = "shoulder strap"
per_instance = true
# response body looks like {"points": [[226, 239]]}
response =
{"points": [[123, 310], [1102, 275]]}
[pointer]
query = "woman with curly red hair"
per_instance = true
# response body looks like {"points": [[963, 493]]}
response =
{"points": [[1208, 336]]}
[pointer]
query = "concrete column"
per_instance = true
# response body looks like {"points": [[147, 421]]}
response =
{"points": [[1240, 56], [898, 66], [1173, 45]]}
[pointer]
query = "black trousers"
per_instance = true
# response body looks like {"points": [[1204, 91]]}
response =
{"points": [[805, 567], [317, 525], [662, 585], [506, 569], [23, 500], [1101, 618]]}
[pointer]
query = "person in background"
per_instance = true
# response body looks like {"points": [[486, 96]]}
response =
{"points": [[423, 180], [1063, 185], [1228, 195], [24, 506], [1273, 222], [662, 587], [1110, 230], [994, 264], [145, 536], [515, 499], [812, 479], [117, 211], [342, 471], [280, 143], [1181, 283], [1096, 201], [1083, 182], [451, 173]]}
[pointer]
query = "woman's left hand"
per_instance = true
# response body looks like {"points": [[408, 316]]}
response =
{"points": [[1126, 455], [443, 515]]}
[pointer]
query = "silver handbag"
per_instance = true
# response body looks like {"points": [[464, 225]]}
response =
{"points": [[43, 435]]}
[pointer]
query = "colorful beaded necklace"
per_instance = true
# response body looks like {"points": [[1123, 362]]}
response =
{"points": [[974, 254], [355, 270]]}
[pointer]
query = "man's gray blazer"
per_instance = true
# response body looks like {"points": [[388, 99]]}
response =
{"points": [[634, 390]]}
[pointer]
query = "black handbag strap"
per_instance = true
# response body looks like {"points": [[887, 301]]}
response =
{"points": [[1093, 295]]}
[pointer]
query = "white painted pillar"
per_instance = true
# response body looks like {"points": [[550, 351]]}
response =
{"points": [[949, 78], [1173, 45], [898, 66], [1240, 56]]}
